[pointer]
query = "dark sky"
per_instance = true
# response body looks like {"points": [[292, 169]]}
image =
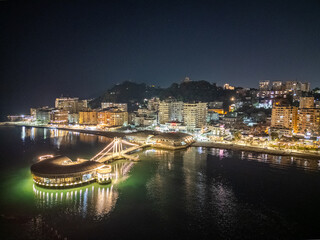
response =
{"points": [[79, 48]]}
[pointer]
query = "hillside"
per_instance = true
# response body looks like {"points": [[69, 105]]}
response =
{"points": [[131, 93]]}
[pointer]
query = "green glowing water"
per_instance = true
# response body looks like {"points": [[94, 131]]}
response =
{"points": [[198, 192]]}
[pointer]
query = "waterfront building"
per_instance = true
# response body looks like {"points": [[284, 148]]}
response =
{"points": [[59, 116], [62, 172], [306, 102], [112, 117], [284, 116], [88, 117], [195, 115], [170, 140], [309, 121], [72, 105], [43, 115], [33, 113], [18, 118], [120, 106], [73, 118]]}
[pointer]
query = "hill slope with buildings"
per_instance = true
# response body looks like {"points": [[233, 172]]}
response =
{"points": [[132, 93]]}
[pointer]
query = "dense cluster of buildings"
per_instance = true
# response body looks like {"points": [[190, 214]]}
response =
{"points": [[276, 107], [75, 111], [288, 119]]}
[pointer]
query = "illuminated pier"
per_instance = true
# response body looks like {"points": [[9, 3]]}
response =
{"points": [[61, 172]]}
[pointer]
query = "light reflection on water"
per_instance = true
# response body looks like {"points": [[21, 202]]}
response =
{"points": [[99, 200], [276, 161], [60, 137], [194, 191]]}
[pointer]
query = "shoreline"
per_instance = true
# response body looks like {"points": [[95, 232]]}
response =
{"points": [[88, 131], [230, 146]]}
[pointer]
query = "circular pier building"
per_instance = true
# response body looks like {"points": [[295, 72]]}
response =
{"points": [[62, 172]]}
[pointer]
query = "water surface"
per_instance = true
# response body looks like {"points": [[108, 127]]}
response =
{"points": [[203, 193]]}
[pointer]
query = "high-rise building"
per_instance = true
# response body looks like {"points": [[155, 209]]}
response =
{"points": [[72, 105], [41, 114], [120, 106], [284, 116], [292, 86], [113, 117], [164, 112], [305, 87], [153, 104], [176, 111], [264, 85], [194, 115], [170, 110], [309, 121], [59, 116], [277, 85], [88, 117], [306, 102]]}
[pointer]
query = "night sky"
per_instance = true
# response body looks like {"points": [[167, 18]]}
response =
{"points": [[78, 48]]}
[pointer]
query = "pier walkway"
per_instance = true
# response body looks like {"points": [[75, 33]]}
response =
{"points": [[118, 149]]}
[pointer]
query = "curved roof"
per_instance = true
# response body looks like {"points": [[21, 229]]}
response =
{"points": [[172, 136], [62, 165]]}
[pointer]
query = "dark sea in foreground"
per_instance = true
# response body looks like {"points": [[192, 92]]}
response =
{"points": [[197, 193]]}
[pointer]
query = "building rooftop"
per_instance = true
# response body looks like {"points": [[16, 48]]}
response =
{"points": [[62, 165], [171, 136]]}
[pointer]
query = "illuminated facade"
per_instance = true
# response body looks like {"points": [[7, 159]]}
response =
{"points": [[120, 106], [170, 111], [194, 115], [62, 172], [112, 117], [309, 121], [164, 112], [72, 105], [59, 116], [88, 118], [306, 102], [264, 85], [227, 86], [284, 116], [42, 114]]}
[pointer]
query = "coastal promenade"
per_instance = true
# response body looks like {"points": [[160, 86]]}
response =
{"points": [[224, 145], [109, 134], [268, 150]]}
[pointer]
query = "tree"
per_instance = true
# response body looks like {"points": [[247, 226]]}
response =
{"points": [[274, 136], [237, 136]]}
